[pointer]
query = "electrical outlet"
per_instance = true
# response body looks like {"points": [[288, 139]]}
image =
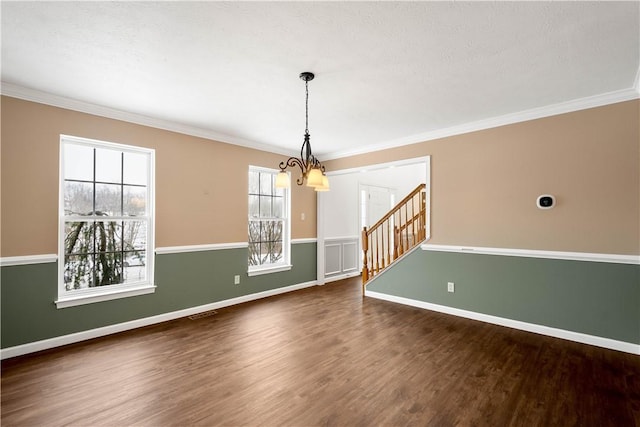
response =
{"points": [[451, 287], [236, 279]]}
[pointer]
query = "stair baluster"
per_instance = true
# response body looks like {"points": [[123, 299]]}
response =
{"points": [[390, 238]]}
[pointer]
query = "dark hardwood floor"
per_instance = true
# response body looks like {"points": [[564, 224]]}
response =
{"points": [[323, 356]]}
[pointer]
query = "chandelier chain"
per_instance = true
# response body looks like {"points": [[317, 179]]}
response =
{"points": [[306, 108]]}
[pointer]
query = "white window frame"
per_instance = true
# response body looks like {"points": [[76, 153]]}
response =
{"points": [[285, 263], [70, 298]]}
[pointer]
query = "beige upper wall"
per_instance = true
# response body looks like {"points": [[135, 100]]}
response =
{"points": [[485, 184], [201, 185]]}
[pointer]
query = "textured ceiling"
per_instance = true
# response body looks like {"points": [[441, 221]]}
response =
{"points": [[386, 72]]}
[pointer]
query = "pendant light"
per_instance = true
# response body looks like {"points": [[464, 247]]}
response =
{"points": [[312, 171]]}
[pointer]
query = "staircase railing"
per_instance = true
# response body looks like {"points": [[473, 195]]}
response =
{"points": [[399, 231]]}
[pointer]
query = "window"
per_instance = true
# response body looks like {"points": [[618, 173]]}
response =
{"points": [[269, 226], [106, 221]]}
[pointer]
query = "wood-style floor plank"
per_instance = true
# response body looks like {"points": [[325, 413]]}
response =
{"points": [[323, 356]]}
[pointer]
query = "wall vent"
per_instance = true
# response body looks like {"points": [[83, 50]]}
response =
{"points": [[203, 314]]}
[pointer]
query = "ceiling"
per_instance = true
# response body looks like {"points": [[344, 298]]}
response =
{"points": [[387, 73]]}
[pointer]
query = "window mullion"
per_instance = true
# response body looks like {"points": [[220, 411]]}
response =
{"points": [[92, 255], [122, 231], [91, 234], [271, 238]]}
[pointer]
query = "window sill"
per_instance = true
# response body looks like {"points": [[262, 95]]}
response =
{"points": [[267, 270], [104, 296]]}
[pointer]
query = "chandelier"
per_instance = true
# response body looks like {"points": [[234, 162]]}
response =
{"points": [[312, 171]]}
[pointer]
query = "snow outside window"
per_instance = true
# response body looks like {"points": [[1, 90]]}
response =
{"points": [[106, 222], [269, 225]]}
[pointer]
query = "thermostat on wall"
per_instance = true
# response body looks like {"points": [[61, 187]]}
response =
{"points": [[546, 201]]}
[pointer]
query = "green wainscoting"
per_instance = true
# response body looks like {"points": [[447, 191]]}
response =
{"points": [[593, 298], [183, 280]]}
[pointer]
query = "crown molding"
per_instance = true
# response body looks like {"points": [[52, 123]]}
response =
{"points": [[28, 94], [507, 119]]}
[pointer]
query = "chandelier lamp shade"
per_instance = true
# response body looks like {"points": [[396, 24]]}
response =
{"points": [[311, 170]]}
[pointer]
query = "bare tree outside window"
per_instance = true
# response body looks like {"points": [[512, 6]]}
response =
{"points": [[265, 239], [267, 219], [105, 216]]}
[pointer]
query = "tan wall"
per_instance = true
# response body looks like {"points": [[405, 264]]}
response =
{"points": [[485, 184], [201, 185]]}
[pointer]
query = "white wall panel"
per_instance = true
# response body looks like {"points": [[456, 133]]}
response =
{"points": [[349, 256], [333, 257]]}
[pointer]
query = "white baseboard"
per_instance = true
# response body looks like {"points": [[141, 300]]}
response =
{"points": [[32, 347], [516, 324], [341, 276]]}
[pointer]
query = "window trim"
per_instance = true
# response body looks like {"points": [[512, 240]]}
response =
{"points": [[268, 270], [105, 293], [104, 296], [285, 264]]}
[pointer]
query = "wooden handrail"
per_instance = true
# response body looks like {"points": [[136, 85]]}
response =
{"points": [[390, 238], [399, 205]]}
